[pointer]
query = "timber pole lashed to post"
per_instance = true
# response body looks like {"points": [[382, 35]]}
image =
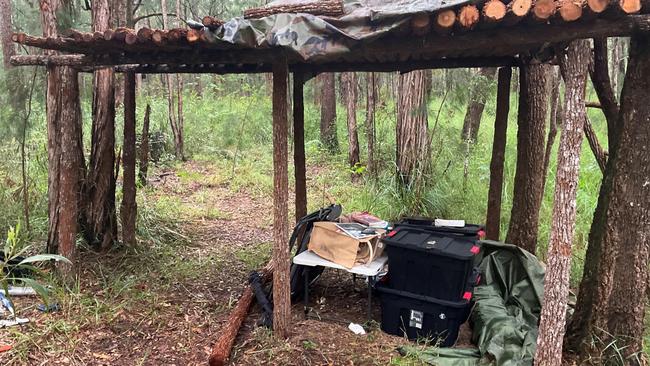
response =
{"points": [[299, 145], [281, 291], [493, 221], [128, 209]]}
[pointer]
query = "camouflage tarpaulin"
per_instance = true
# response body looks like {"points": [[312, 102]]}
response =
{"points": [[321, 39]]}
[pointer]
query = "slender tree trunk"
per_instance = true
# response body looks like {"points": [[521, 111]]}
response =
{"points": [[628, 214], [350, 91], [493, 221], [128, 210], [604, 88], [412, 127], [371, 101], [281, 291], [556, 280], [6, 31], [594, 144], [144, 147], [529, 176], [555, 121], [100, 228], [476, 105], [172, 111], [180, 149], [328, 112], [299, 145]]}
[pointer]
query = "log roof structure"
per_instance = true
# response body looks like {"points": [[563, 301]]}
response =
{"points": [[330, 36]]}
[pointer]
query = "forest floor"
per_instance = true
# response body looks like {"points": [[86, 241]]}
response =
{"points": [[165, 301]]}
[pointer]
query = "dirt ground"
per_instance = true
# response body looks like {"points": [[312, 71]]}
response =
{"points": [[165, 302]]}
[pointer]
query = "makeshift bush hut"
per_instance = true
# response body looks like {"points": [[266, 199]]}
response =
{"points": [[307, 38]]}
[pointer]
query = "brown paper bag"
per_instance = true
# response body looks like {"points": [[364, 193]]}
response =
{"points": [[331, 243]]}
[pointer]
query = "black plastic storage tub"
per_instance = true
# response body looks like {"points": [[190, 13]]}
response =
{"points": [[431, 264], [421, 317], [469, 230]]}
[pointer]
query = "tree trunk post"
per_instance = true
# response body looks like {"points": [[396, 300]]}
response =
{"points": [[629, 211], [100, 228], [529, 176], [281, 291], [129, 206], [493, 220], [328, 135], [412, 129], [371, 101], [476, 104], [300, 169], [556, 281]]}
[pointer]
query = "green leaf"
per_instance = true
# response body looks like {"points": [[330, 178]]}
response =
{"points": [[44, 258], [42, 292]]}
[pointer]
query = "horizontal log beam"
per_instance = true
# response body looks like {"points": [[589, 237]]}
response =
{"points": [[489, 43], [85, 63]]}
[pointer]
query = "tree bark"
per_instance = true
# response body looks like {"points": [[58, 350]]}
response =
{"points": [[128, 209], [493, 221], [100, 227], [281, 291], [371, 101], [328, 135], [596, 283], [556, 280], [64, 146], [412, 127], [605, 89], [144, 147], [350, 91], [555, 121], [628, 214], [299, 145], [529, 176], [180, 148], [594, 144], [476, 105], [6, 31], [172, 111]]}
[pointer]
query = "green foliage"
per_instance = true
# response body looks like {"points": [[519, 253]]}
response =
{"points": [[13, 249]]}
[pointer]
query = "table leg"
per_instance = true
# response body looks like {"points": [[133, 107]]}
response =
{"points": [[369, 299], [306, 294]]}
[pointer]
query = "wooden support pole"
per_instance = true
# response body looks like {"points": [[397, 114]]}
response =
{"points": [[281, 290], [129, 206], [493, 221], [299, 145]]}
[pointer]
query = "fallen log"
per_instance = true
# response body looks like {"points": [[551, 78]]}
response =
{"points": [[211, 22], [330, 8], [630, 6], [444, 21], [420, 24], [468, 16], [543, 10], [516, 11], [570, 10], [221, 349], [494, 11]]}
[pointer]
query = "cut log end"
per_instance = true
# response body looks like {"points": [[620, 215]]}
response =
{"points": [[109, 34], [18, 37], [158, 36], [420, 24], [570, 10], [468, 16], [130, 38], [630, 6], [520, 8], [543, 9], [193, 35], [494, 11], [597, 6], [445, 19]]}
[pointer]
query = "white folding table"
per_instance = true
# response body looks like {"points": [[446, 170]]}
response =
{"points": [[370, 271]]}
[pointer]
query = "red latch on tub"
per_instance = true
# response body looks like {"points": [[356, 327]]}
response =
{"points": [[392, 233], [467, 296], [475, 249]]}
